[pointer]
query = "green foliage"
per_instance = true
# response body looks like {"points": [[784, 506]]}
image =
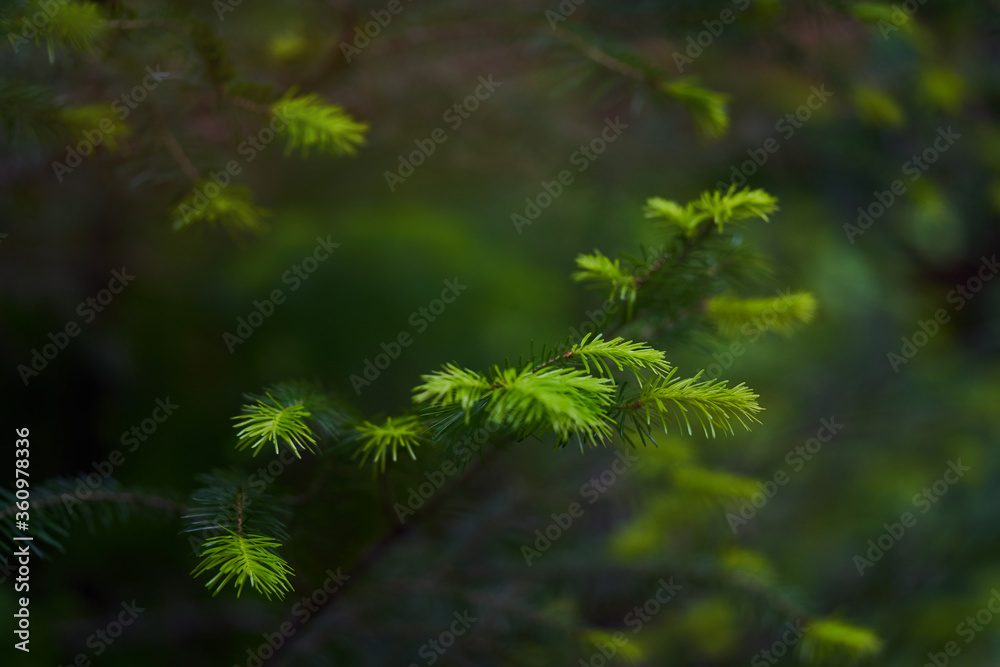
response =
{"points": [[227, 500], [556, 396], [312, 123], [83, 118], [736, 205], [686, 218], [380, 441], [600, 269], [876, 107], [622, 353], [275, 423], [243, 527], [711, 402], [327, 415], [28, 114], [831, 640], [781, 314], [232, 207], [713, 487], [60, 503], [596, 639], [566, 401], [77, 25], [453, 386], [601, 388], [240, 559], [707, 107], [720, 207]]}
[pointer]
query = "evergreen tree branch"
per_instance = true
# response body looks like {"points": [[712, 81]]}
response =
{"points": [[60, 503], [707, 108], [274, 423], [242, 558], [251, 524], [713, 403], [174, 147], [378, 440]]}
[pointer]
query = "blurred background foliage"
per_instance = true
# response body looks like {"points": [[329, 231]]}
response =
{"points": [[896, 80]]}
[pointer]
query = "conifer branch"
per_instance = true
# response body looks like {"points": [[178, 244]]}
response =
{"points": [[707, 108], [174, 148], [711, 402], [243, 558], [566, 401], [598, 268], [382, 440], [233, 208], [597, 352], [120, 497], [830, 640], [312, 123], [251, 525], [274, 423], [60, 503], [728, 207]]}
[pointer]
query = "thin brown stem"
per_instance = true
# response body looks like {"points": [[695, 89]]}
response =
{"points": [[174, 147], [601, 58]]}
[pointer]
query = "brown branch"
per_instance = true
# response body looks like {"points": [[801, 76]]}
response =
{"points": [[174, 147], [603, 59]]}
